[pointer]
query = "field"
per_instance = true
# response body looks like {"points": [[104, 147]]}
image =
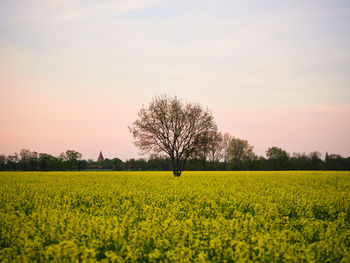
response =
{"points": [[153, 216]]}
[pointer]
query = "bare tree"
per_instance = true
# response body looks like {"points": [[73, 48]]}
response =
{"points": [[209, 148], [239, 151], [171, 127], [226, 138], [202, 151], [215, 147]]}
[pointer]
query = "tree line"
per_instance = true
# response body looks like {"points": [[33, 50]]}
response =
{"points": [[69, 160], [296, 161], [237, 156], [236, 160]]}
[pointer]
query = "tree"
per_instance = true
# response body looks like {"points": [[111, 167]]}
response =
{"points": [[28, 160], [278, 158], [33, 161], [216, 147], [158, 162], [24, 160], [299, 161], [71, 157], [334, 162], [81, 164], [2, 162], [209, 147], [315, 159], [239, 151], [46, 162], [226, 139], [117, 164], [276, 153], [13, 161], [171, 127]]}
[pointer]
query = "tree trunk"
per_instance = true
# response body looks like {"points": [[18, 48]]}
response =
{"points": [[177, 165], [177, 173]]}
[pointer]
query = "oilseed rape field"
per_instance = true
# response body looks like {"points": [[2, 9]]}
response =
{"points": [[155, 217]]}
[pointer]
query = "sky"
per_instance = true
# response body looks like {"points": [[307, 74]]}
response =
{"points": [[74, 74]]}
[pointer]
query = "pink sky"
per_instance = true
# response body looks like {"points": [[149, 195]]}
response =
{"points": [[37, 120], [276, 74]]}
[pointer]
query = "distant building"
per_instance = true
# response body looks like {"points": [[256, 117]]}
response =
{"points": [[100, 157]]}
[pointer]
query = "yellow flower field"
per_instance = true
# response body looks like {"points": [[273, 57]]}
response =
{"points": [[155, 217]]}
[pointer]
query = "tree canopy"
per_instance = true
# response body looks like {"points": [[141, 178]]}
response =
{"points": [[239, 151], [169, 126]]}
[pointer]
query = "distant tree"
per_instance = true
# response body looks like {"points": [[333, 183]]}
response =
{"points": [[2, 162], [315, 160], [239, 152], [171, 127], [216, 147], [278, 158], [33, 161], [299, 161], [335, 162], [113, 164], [326, 161], [158, 162], [136, 165], [25, 155], [107, 163], [71, 157], [46, 162], [202, 149], [261, 163], [209, 147], [346, 164], [117, 164], [12, 161], [216, 152], [81, 164], [226, 139], [276, 153]]}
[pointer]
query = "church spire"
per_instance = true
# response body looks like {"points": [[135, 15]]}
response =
{"points": [[100, 157]]}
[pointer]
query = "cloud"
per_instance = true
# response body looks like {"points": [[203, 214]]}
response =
{"points": [[223, 54], [31, 14]]}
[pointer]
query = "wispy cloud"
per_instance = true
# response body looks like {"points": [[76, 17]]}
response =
{"points": [[223, 54]]}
